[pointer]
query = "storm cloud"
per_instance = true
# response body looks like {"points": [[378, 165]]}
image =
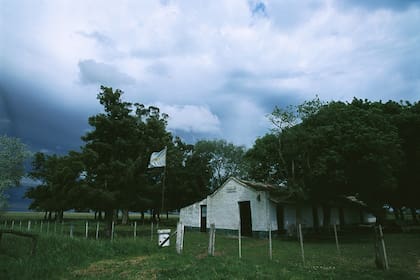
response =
{"points": [[216, 67]]}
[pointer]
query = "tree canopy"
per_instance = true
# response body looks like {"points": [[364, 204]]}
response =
{"points": [[13, 154]]}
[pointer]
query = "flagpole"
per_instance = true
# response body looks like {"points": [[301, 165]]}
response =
{"points": [[163, 183], [163, 189]]}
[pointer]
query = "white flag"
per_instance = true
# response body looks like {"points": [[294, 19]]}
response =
{"points": [[158, 159]]}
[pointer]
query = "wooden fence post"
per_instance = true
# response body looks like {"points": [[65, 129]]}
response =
{"points": [[97, 230], [301, 244], [180, 238], [135, 230], [71, 230], [270, 244], [336, 240], [29, 225], [239, 241], [212, 234], [151, 231], [87, 229], [381, 236], [112, 230]]}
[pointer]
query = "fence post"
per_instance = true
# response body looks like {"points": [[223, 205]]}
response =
{"points": [[270, 244], [13, 224], [20, 225], [301, 244], [151, 231], [97, 230], [135, 230], [381, 236], [29, 225], [112, 230], [211, 239], [180, 238], [87, 229], [239, 241], [71, 231], [336, 240], [40, 230]]}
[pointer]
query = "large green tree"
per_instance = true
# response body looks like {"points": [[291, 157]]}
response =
{"points": [[225, 160], [13, 154], [117, 151], [60, 187]]}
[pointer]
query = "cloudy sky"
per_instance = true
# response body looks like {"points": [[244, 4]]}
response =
{"points": [[216, 67]]}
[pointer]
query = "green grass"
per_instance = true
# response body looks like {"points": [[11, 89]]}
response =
{"points": [[59, 257]]}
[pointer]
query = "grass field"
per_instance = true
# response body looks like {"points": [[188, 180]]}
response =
{"points": [[60, 257]]}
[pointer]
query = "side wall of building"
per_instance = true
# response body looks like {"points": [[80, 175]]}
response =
{"points": [[190, 215], [223, 207]]}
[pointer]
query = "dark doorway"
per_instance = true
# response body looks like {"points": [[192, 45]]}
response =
{"points": [[280, 218], [203, 218], [245, 215]]}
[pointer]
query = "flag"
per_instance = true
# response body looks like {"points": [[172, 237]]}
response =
{"points": [[158, 159]]}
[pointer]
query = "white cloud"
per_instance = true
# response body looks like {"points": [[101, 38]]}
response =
{"points": [[191, 118]]}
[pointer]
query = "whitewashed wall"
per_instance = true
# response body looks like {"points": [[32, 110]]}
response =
{"points": [[190, 215], [273, 215], [223, 208]]}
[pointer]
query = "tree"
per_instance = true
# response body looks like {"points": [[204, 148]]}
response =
{"points": [[225, 160], [13, 154], [263, 163], [117, 151], [348, 149], [60, 183], [188, 175]]}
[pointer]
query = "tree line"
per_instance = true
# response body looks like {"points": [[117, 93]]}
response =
{"points": [[318, 151]]}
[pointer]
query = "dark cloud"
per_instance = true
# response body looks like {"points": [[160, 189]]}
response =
{"points": [[92, 72], [39, 123]]}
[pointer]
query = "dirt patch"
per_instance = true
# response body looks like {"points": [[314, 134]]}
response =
{"points": [[109, 266]]}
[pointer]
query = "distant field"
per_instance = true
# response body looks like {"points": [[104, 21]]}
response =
{"points": [[60, 257]]}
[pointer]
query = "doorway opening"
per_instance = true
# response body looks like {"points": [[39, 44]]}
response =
{"points": [[245, 216]]}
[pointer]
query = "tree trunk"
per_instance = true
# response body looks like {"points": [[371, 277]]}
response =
{"points": [[414, 214], [315, 218], [109, 218], [298, 214], [49, 216], [341, 216], [326, 211], [142, 217], [396, 214], [125, 217], [167, 215], [402, 214]]}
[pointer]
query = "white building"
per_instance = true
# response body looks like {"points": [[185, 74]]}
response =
{"points": [[256, 207]]}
